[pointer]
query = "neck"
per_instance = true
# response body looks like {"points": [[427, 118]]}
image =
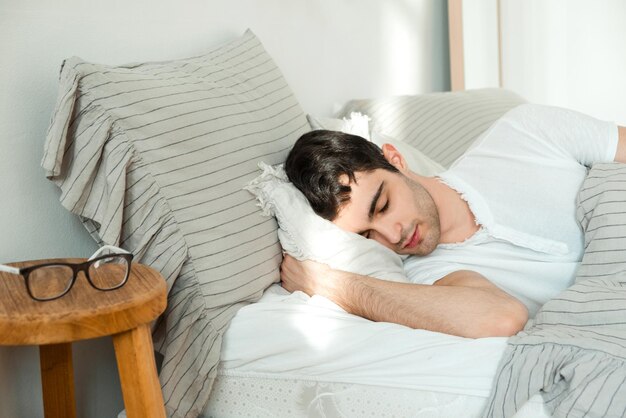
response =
{"points": [[456, 221]]}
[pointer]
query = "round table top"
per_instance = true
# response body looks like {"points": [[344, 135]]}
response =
{"points": [[82, 313]]}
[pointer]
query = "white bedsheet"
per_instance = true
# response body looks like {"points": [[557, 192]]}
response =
{"points": [[295, 336]]}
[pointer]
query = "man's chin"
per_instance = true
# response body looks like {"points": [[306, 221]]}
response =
{"points": [[415, 252], [420, 250]]}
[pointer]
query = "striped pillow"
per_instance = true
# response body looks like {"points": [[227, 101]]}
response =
{"points": [[153, 157], [441, 125]]}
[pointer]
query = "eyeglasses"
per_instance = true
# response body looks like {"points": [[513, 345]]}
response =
{"points": [[107, 269]]}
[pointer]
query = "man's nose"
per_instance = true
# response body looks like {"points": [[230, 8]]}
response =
{"points": [[391, 231]]}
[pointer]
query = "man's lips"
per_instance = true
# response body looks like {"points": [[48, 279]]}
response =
{"points": [[414, 240]]}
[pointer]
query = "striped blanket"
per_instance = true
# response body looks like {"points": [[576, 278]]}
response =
{"points": [[574, 351]]}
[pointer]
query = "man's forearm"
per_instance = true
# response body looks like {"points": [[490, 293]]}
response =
{"points": [[475, 308], [462, 303]]}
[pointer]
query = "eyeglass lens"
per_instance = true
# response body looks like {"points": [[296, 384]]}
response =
{"points": [[105, 273], [49, 282], [109, 272]]}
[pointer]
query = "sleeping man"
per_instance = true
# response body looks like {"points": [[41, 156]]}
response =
{"points": [[488, 241]]}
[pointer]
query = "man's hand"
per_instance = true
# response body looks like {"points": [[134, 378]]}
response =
{"points": [[314, 279], [463, 303], [302, 275]]}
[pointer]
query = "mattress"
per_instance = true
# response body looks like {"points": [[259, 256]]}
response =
{"points": [[291, 355], [236, 396]]}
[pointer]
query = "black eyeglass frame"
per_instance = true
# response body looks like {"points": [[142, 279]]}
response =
{"points": [[76, 268]]}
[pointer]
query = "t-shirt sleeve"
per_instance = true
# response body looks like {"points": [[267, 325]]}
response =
{"points": [[422, 270], [586, 139]]}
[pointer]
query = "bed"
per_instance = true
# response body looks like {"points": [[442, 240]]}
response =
{"points": [[154, 157]]}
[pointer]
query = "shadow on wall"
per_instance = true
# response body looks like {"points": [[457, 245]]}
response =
{"points": [[416, 50]]}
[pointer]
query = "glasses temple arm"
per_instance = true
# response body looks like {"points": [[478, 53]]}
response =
{"points": [[9, 269], [110, 248]]}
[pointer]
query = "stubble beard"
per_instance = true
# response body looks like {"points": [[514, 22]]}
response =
{"points": [[427, 211]]}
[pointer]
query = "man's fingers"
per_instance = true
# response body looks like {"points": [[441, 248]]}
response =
{"points": [[301, 275]]}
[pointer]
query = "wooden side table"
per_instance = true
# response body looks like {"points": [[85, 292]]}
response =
{"points": [[83, 313]]}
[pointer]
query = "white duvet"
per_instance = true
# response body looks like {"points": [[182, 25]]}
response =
{"points": [[296, 336]]}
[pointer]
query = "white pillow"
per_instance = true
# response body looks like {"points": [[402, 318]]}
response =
{"points": [[306, 236], [358, 124]]}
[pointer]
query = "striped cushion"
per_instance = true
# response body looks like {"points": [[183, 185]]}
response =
{"points": [[441, 125], [153, 157]]}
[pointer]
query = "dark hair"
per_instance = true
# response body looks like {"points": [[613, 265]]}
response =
{"points": [[318, 160]]}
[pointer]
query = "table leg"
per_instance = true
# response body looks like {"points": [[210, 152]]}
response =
{"points": [[57, 380], [140, 383]]}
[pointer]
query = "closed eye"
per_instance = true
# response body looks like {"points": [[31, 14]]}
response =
{"points": [[385, 207]]}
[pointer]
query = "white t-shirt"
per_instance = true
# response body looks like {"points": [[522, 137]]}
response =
{"points": [[521, 179]]}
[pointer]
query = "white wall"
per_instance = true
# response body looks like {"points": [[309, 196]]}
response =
{"points": [[568, 53], [480, 43], [329, 51]]}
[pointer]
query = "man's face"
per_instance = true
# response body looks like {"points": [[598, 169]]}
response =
{"points": [[392, 209]]}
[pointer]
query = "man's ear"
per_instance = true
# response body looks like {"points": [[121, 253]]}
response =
{"points": [[394, 157]]}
